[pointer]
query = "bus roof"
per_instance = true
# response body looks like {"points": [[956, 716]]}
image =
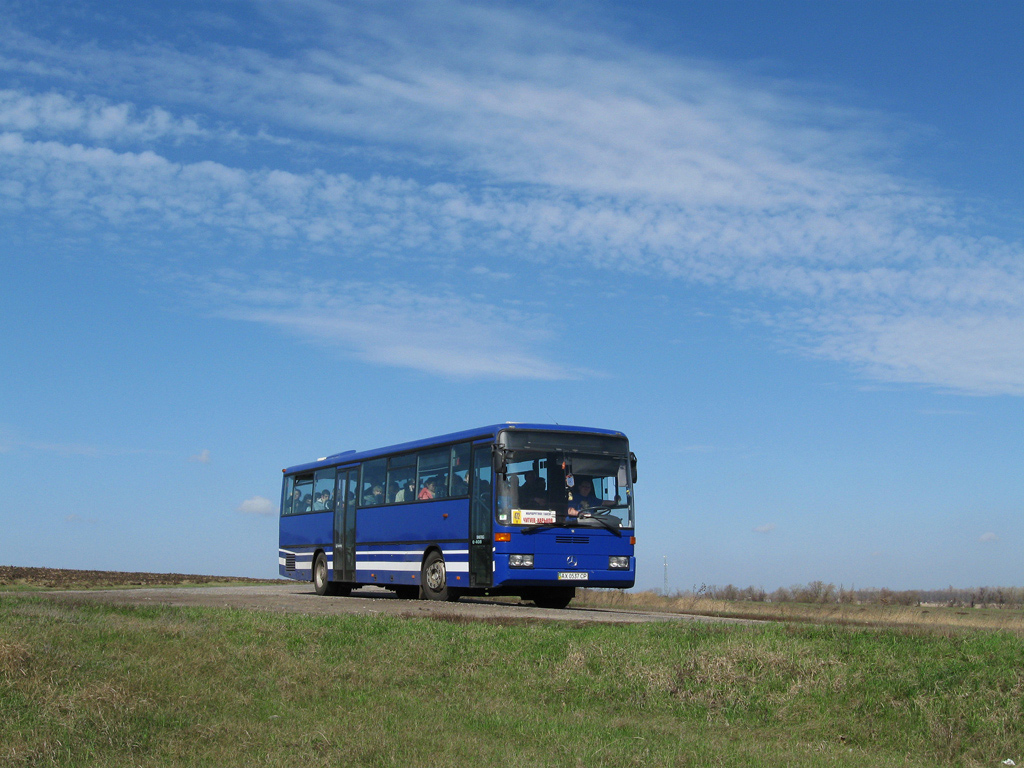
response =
{"points": [[347, 457]]}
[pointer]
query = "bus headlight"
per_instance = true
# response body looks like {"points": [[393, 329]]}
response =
{"points": [[520, 561], [618, 563]]}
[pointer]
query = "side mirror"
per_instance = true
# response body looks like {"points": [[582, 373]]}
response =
{"points": [[500, 459], [632, 464]]}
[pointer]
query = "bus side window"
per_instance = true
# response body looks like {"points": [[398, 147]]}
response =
{"points": [[302, 495], [432, 474], [372, 482], [402, 479], [460, 470], [286, 500], [323, 491]]}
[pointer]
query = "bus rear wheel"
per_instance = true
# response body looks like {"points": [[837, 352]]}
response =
{"points": [[434, 579], [321, 583], [555, 597]]}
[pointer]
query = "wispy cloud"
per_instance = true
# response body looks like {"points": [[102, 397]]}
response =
{"points": [[203, 457], [499, 133], [92, 118], [140, 191], [969, 351], [257, 505], [988, 538], [766, 528], [441, 332], [11, 442]]}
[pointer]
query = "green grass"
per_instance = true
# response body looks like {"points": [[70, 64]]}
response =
{"points": [[84, 685]]}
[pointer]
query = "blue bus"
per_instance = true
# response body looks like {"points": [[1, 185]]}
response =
{"points": [[533, 510]]}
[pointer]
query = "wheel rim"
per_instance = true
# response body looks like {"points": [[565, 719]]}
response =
{"points": [[321, 573], [436, 576]]}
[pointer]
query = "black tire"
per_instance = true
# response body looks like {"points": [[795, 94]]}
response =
{"points": [[321, 582], [555, 597], [434, 579]]}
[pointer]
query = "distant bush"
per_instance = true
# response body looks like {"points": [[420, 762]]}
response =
{"points": [[822, 593]]}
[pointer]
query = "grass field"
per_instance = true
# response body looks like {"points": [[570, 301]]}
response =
{"points": [[940, 619], [15, 578], [84, 685]]}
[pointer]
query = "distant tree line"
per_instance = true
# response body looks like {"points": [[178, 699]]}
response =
{"points": [[823, 593]]}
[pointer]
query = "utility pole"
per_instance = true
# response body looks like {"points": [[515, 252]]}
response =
{"points": [[665, 591]]}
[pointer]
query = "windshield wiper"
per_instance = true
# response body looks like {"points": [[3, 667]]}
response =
{"points": [[603, 521], [576, 522], [541, 527]]}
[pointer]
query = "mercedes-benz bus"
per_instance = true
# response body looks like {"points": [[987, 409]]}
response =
{"points": [[533, 510]]}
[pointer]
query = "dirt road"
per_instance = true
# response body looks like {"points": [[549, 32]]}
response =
{"points": [[300, 598]]}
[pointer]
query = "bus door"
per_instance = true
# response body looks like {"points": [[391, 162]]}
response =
{"points": [[345, 524], [481, 549]]}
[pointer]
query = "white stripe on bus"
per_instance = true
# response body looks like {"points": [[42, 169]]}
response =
{"points": [[416, 552], [367, 565], [370, 565]]}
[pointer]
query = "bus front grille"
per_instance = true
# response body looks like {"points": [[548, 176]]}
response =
{"points": [[289, 562], [572, 539]]}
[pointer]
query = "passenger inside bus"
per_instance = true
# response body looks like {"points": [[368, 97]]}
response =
{"points": [[374, 497], [533, 494], [408, 492], [441, 485], [428, 489]]}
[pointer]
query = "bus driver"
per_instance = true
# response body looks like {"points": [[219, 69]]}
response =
{"points": [[584, 499]]}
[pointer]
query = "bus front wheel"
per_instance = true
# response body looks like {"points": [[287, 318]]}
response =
{"points": [[555, 597], [434, 579]]}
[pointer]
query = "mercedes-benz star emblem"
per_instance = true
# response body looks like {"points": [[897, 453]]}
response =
{"points": [[571, 561]]}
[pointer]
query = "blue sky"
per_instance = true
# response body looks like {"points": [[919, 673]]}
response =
{"points": [[777, 244]]}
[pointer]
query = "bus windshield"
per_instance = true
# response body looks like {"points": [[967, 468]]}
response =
{"points": [[565, 487]]}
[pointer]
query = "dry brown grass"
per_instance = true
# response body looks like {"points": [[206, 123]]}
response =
{"points": [[16, 577], [931, 618], [15, 659]]}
